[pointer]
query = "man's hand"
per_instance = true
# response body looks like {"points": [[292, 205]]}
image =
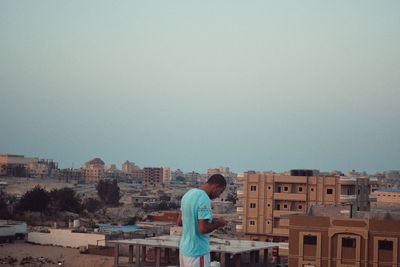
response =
{"points": [[205, 227], [220, 222]]}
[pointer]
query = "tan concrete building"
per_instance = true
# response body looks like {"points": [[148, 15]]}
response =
{"points": [[94, 170], [153, 176], [166, 174], [129, 167], [323, 241], [21, 166], [267, 199], [388, 196]]}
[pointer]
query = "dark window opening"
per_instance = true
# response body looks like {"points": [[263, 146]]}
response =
{"points": [[278, 206], [312, 189], [286, 188], [329, 191], [285, 206], [385, 244], [348, 242], [300, 189], [252, 205], [300, 207], [310, 240]]}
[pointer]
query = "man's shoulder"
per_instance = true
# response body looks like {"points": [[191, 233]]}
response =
{"points": [[196, 193]]}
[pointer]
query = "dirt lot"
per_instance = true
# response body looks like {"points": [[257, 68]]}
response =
{"points": [[28, 255]]}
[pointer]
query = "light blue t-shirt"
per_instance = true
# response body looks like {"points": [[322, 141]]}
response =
{"points": [[195, 205]]}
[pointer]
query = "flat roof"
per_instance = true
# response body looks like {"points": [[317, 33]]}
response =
{"points": [[389, 190], [217, 245]]}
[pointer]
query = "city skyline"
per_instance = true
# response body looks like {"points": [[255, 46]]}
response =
{"points": [[261, 86]]}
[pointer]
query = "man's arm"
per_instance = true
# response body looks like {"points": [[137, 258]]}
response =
{"points": [[205, 227]]}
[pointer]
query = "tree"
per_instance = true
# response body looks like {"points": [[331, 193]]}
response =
{"points": [[65, 199], [36, 199], [92, 204], [108, 191], [231, 197], [4, 213]]}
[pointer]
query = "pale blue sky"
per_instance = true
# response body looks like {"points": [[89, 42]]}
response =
{"points": [[247, 84]]}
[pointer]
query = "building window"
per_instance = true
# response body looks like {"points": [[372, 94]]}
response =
{"points": [[253, 188], [268, 205], [312, 189], [252, 205], [349, 242], [278, 206], [300, 189], [310, 240], [286, 189], [299, 207], [268, 222], [329, 191], [358, 191], [285, 206], [269, 188], [252, 222], [385, 245]]}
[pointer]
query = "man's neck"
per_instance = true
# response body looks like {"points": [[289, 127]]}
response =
{"points": [[206, 188]]}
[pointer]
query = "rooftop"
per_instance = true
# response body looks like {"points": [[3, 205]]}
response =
{"points": [[389, 190]]}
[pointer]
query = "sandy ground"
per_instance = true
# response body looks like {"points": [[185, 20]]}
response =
{"points": [[36, 255]]}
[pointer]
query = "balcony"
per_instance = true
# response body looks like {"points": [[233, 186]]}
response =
{"points": [[239, 228], [347, 198], [239, 210], [290, 196], [239, 193]]}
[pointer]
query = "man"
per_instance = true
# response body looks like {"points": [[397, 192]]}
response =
{"points": [[197, 220]]}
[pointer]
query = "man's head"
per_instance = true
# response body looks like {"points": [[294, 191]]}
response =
{"points": [[217, 184]]}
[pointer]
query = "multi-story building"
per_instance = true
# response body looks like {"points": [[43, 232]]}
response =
{"points": [[73, 174], [219, 170], [166, 174], [21, 166], [129, 167], [94, 170], [323, 241], [267, 199], [388, 196], [153, 176]]}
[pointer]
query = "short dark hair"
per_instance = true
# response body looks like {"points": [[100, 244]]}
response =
{"points": [[217, 179]]}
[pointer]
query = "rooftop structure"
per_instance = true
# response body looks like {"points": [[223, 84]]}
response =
{"points": [[230, 250]]}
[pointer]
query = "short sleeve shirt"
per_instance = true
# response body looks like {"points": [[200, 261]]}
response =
{"points": [[195, 205]]}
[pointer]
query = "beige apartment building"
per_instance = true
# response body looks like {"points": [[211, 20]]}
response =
{"points": [[21, 166], [94, 170], [266, 200], [332, 241], [388, 196]]}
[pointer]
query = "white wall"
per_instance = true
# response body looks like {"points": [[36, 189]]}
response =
{"points": [[66, 238]]}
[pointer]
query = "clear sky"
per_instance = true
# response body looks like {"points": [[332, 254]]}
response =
{"points": [[253, 85]]}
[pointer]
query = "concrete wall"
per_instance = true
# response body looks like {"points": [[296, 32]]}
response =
{"points": [[66, 238]]}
